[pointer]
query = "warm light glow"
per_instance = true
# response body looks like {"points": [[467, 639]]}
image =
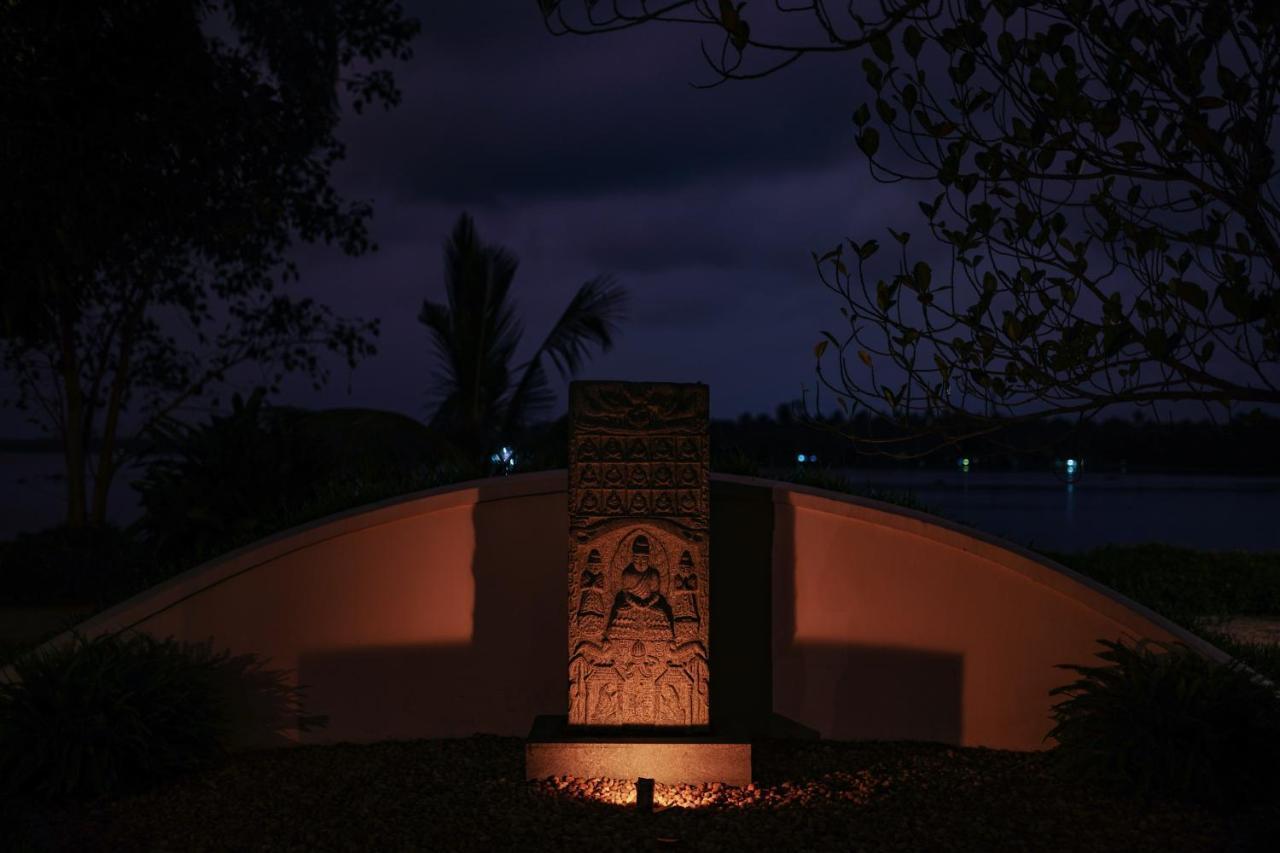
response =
{"points": [[622, 792]]}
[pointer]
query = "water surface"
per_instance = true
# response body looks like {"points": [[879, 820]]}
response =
{"points": [[1031, 508]]}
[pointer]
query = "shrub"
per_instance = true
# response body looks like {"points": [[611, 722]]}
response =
{"points": [[734, 460], [98, 716], [82, 566], [1162, 719], [1183, 584], [1262, 657], [259, 469]]}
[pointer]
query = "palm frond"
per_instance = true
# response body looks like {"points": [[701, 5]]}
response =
{"points": [[476, 333], [589, 319]]}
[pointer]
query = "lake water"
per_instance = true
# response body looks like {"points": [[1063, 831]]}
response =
{"points": [[33, 493], [1034, 509], [1041, 511]]}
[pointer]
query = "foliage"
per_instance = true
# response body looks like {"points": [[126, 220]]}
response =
{"points": [[160, 158], [476, 332], [218, 481], [734, 460], [1261, 657], [1162, 719], [1185, 585], [100, 716], [254, 472], [261, 469], [72, 566], [1099, 177]]}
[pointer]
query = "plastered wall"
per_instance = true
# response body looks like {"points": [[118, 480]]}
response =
{"points": [[443, 614]]}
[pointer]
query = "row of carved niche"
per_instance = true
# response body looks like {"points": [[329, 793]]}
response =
{"points": [[638, 475], [653, 447], [639, 502]]}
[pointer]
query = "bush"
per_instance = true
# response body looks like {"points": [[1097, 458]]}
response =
{"points": [[98, 716], [260, 469], [74, 566], [734, 460], [1183, 584], [1262, 657], [1162, 719]]}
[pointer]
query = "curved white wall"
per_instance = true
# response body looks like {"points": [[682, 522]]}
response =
{"points": [[444, 614]]}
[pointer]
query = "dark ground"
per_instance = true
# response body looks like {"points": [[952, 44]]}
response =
{"points": [[469, 794]]}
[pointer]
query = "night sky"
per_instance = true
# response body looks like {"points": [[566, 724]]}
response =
{"points": [[595, 155]]}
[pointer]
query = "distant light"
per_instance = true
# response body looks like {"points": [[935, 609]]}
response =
{"points": [[800, 457], [964, 463], [1071, 465], [813, 457], [505, 457]]}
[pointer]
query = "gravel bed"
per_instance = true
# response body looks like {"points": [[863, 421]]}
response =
{"points": [[470, 794]]}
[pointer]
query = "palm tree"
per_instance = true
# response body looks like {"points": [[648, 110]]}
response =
{"points": [[482, 399]]}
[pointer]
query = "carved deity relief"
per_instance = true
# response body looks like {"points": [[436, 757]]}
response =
{"points": [[638, 554]]}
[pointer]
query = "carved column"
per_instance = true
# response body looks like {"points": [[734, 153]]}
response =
{"points": [[638, 554]]}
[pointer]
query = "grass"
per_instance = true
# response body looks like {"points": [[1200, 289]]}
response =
{"points": [[470, 794], [1195, 589], [1186, 585], [1263, 658]]}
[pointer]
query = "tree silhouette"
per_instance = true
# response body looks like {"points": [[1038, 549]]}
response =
{"points": [[1098, 178], [159, 159], [483, 397]]}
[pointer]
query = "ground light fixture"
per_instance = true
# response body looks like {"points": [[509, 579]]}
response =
{"points": [[644, 795]]}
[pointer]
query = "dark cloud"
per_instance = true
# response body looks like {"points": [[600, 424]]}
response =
{"points": [[592, 155], [498, 108]]}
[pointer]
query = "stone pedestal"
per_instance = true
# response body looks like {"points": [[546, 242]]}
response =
{"points": [[555, 748]]}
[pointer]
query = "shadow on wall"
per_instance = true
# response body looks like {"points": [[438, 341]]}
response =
{"points": [[854, 691], [514, 666], [850, 692], [264, 707], [741, 572]]}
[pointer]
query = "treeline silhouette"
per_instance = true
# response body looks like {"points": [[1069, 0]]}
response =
{"points": [[1246, 444], [762, 444]]}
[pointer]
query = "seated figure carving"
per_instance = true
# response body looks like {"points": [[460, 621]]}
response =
{"points": [[640, 610]]}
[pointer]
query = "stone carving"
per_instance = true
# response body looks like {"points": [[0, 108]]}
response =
{"points": [[638, 554]]}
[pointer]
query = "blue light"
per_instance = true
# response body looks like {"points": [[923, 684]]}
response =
{"points": [[1071, 465], [800, 457], [506, 457]]}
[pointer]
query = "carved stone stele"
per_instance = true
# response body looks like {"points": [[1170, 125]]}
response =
{"points": [[639, 495]]}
